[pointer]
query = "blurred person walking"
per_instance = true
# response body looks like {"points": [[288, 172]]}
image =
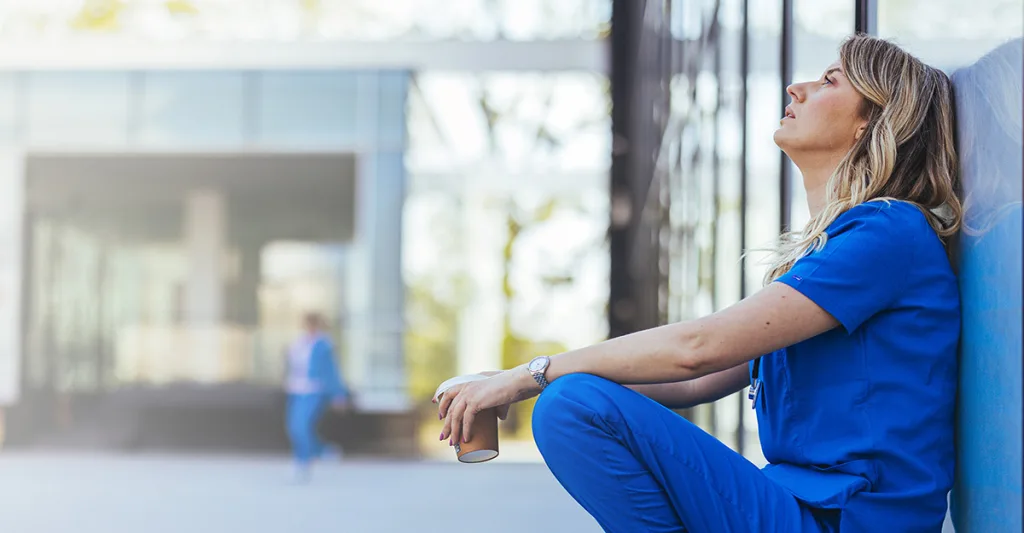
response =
{"points": [[313, 383]]}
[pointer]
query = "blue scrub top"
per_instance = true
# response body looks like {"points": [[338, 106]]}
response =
{"points": [[860, 419]]}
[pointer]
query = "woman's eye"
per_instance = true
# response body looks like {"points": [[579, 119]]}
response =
{"points": [[827, 82]]}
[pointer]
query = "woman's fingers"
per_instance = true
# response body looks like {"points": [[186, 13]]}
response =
{"points": [[446, 429], [455, 420], [467, 423], [446, 401]]}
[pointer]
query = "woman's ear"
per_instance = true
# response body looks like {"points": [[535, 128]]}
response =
{"points": [[860, 131]]}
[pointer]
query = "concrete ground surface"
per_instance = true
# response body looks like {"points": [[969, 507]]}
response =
{"points": [[55, 493], [85, 493]]}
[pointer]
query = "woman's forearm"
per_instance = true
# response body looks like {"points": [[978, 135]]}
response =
{"points": [[773, 318], [705, 389], [676, 352]]}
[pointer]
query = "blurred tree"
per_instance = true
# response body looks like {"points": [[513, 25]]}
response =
{"points": [[434, 300], [431, 338], [181, 7], [517, 349], [99, 15]]}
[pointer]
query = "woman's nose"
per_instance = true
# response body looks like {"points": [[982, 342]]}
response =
{"points": [[796, 90]]}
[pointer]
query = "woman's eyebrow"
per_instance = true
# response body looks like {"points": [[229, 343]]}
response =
{"points": [[833, 69]]}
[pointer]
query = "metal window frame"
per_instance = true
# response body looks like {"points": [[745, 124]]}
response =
{"points": [[786, 67], [741, 430], [866, 17]]}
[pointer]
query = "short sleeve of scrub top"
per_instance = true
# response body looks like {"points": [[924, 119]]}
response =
{"points": [[862, 268]]}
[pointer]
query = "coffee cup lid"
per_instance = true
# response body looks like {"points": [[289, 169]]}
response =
{"points": [[457, 380]]}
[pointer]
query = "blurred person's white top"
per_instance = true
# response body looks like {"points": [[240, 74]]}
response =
{"points": [[300, 353]]}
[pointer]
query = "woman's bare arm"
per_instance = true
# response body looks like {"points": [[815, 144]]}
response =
{"points": [[705, 389], [773, 318]]}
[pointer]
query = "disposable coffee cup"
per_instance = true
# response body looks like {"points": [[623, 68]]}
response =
{"points": [[483, 446]]}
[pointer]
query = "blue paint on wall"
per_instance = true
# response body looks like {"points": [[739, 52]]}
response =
{"points": [[987, 496]]}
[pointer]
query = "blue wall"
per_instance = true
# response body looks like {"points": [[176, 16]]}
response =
{"points": [[987, 498]]}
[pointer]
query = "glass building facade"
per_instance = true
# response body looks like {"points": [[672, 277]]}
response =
{"points": [[432, 176]]}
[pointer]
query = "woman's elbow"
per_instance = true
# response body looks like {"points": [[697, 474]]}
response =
{"points": [[697, 356]]}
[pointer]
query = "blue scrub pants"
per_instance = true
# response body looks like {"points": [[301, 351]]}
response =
{"points": [[637, 466], [304, 411]]}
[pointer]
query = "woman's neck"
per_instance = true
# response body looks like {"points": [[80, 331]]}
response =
{"points": [[815, 198], [816, 175]]}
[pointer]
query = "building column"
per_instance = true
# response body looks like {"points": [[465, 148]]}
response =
{"points": [[12, 215], [375, 293], [204, 234], [481, 321], [243, 300]]}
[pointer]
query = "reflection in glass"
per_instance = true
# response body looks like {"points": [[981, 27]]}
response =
{"points": [[763, 155], [701, 164], [505, 221]]}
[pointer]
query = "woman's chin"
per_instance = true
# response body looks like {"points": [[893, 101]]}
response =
{"points": [[780, 137]]}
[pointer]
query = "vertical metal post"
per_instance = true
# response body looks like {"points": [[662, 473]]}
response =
{"points": [[626, 21], [744, 130], [786, 61], [639, 101], [866, 16]]}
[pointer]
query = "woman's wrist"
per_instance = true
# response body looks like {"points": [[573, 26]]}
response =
{"points": [[527, 383]]}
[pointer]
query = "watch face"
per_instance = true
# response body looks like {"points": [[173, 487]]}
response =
{"points": [[538, 364]]}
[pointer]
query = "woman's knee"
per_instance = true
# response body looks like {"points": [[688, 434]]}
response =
{"points": [[570, 401]]}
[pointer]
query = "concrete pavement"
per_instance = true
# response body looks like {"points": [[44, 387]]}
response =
{"points": [[48, 493]]}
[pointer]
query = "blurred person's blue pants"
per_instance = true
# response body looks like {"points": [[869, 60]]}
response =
{"points": [[304, 411], [635, 465]]}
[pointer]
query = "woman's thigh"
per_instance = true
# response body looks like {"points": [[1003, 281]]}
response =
{"points": [[637, 466]]}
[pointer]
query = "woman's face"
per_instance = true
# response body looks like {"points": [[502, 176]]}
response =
{"points": [[823, 117]]}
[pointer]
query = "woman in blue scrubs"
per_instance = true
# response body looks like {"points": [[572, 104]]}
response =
{"points": [[848, 352]]}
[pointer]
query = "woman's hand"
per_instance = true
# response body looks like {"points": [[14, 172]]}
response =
{"points": [[460, 404]]}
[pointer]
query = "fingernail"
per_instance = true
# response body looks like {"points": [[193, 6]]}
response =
{"points": [[465, 439], [450, 442], [440, 416], [442, 436]]}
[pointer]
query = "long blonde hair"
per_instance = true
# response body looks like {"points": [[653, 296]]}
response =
{"points": [[907, 152]]}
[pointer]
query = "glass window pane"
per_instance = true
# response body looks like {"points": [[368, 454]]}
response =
{"points": [[192, 109], [729, 126], [764, 93], [393, 88], [505, 221], [8, 107], [314, 109], [77, 109]]}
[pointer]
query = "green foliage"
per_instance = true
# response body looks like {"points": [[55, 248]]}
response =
{"points": [[99, 15], [431, 338]]}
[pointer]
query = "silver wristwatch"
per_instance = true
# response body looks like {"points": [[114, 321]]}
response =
{"points": [[537, 367]]}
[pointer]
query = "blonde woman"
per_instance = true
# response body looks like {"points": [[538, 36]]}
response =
{"points": [[848, 352]]}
